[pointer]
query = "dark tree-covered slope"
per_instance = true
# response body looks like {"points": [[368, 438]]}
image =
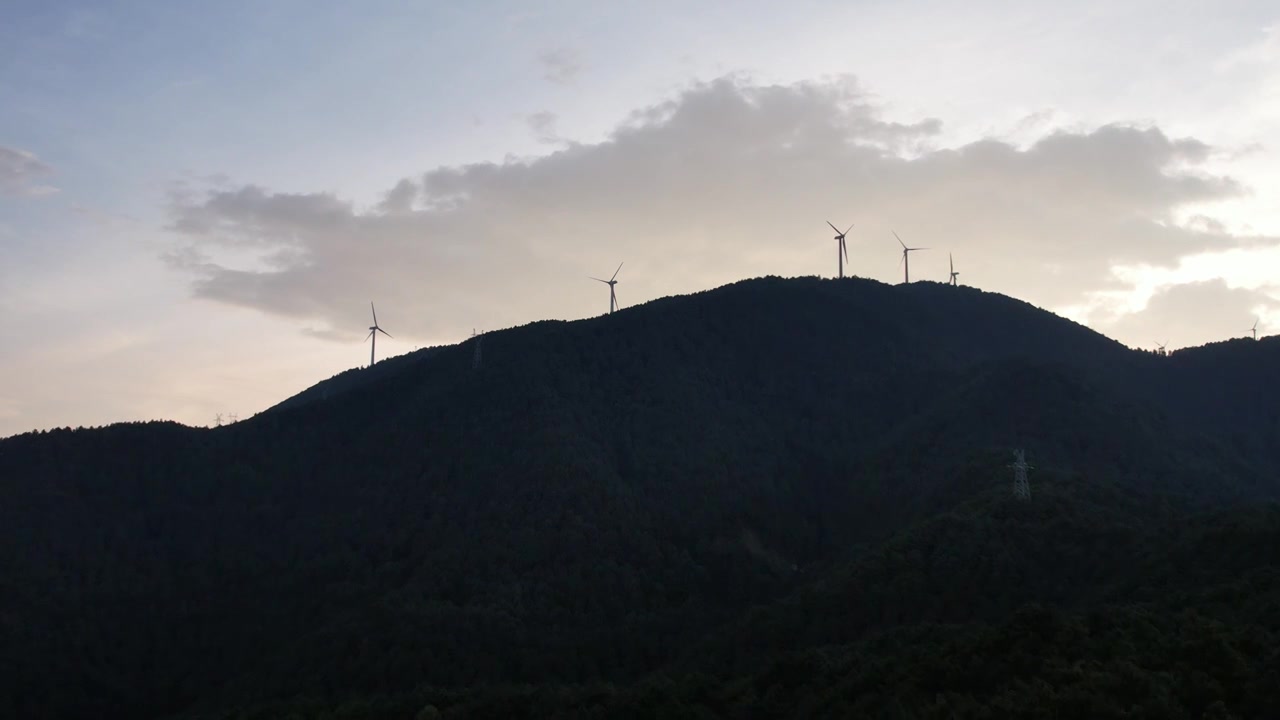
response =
{"points": [[605, 499]]}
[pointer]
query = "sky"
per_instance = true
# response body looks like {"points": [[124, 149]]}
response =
{"points": [[198, 201]]}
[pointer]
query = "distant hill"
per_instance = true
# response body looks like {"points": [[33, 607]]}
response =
{"points": [[690, 501]]}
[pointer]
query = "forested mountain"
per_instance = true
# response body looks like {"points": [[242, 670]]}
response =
{"points": [[779, 497]]}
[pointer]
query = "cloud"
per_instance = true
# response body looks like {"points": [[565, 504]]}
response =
{"points": [[1035, 121], [729, 179], [252, 216], [20, 172], [400, 199], [560, 65], [1192, 314], [543, 125], [1206, 224]]}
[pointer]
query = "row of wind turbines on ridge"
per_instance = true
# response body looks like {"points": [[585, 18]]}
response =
{"points": [[1253, 331], [842, 256]]}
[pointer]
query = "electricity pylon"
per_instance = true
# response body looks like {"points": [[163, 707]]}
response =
{"points": [[1021, 488]]}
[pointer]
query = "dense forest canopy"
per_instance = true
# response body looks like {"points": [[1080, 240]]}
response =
{"points": [[776, 498]]}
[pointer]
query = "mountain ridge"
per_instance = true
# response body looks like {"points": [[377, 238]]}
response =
{"points": [[595, 500]]}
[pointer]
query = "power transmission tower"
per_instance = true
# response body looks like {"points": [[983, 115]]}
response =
{"points": [[475, 359], [1021, 488], [217, 420]]}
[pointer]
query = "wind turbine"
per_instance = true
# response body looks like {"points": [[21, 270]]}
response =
{"points": [[842, 252], [954, 274], [906, 258], [613, 298], [1254, 329], [373, 333], [1161, 349]]}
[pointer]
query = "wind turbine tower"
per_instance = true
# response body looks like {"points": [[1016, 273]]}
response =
{"points": [[613, 298], [373, 334], [954, 274], [1254, 329], [1021, 488], [842, 251], [906, 258]]}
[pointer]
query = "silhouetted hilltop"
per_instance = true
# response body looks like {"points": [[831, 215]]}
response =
{"points": [[351, 380], [611, 498]]}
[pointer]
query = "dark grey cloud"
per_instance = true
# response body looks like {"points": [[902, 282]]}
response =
{"points": [[728, 180], [560, 65], [21, 173], [1194, 313]]}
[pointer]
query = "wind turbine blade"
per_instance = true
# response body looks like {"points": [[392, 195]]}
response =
{"points": [[606, 282], [375, 313], [951, 261], [844, 248], [384, 332], [846, 232], [833, 227], [366, 337], [895, 234], [615, 272], [914, 249]]}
